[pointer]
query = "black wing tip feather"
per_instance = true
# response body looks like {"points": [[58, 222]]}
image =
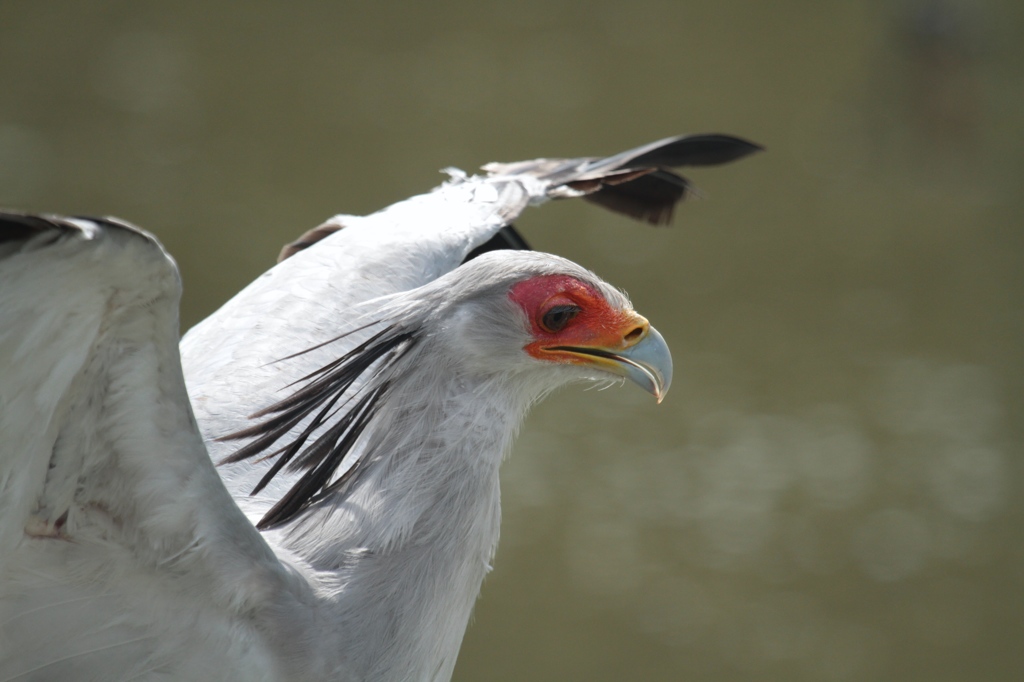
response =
{"points": [[326, 441], [638, 182], [22, 226], [703, 149], [17, 226]]}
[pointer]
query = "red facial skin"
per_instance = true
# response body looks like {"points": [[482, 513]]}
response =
{"points": [[597, 325]]}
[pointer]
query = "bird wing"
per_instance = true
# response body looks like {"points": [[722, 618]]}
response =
{"points": [[111, 514], [637, 182], [323, 293]]}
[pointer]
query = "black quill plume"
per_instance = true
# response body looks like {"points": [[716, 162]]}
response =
{"points": [[324, 396]]}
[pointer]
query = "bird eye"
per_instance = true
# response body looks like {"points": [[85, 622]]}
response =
{"points": [[558, 317]]}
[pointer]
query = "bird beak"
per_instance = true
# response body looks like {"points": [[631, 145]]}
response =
{"points": [[645, 360], [647, 364]]}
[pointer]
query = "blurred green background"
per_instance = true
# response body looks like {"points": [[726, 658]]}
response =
{"points": [[833, 489]]}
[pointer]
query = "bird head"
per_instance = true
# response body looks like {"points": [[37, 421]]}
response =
{"points": [[548, 319]]}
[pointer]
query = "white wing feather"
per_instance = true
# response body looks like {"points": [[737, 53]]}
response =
{"points": [[111, 514]]}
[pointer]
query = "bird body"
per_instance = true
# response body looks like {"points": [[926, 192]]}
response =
{"points": [[377, 381]]}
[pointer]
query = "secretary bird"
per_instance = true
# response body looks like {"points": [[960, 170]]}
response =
{"points": [[358, 399]]}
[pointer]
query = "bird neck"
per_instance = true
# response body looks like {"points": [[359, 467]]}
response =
{"points": [[402, 556]]}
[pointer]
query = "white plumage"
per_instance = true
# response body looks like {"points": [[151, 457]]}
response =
{"points": [[389, 382]]}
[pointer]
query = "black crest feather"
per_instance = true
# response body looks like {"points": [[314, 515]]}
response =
{"points": [[326, 441]]}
